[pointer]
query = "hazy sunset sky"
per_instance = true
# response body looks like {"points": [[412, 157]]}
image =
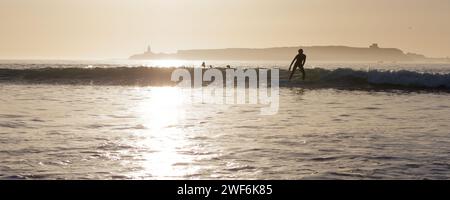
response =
{"points": [[89, 29]]}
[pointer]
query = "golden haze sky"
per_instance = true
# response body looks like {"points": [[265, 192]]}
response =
{"points": [[89, 29]]}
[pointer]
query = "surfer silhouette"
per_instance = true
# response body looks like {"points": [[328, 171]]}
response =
{"points": [[300, 60]]}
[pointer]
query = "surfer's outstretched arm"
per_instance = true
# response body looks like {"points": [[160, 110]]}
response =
{"points": [[290, 66]]}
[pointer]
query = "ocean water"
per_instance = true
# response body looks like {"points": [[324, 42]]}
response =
{"points": [[90, 131]]}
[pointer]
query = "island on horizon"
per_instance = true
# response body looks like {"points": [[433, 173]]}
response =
{"points": [[373, 53]]}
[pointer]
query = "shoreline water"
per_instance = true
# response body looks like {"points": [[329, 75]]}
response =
{"points": [[98, 132]]}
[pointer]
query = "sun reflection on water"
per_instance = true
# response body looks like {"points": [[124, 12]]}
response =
{"points": [[161, 108], [162, 114]]}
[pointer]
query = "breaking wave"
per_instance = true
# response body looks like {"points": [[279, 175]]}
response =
{"points": [[380, 78], [149, 76]]}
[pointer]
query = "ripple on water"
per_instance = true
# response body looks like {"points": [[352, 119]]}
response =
{"points": [[137, 127], [324, 159], [14, 177], [11, 116], [114, 146], [371, 108], [13, 124], [237, 168], [122, 116]]}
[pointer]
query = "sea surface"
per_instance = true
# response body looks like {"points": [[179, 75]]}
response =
{"points": [[89, 131]]}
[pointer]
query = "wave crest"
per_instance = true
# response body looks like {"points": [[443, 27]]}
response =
{"points": [[401, 78]]}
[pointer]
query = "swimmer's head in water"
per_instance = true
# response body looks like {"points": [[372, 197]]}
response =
{"points": [[300, 51]]}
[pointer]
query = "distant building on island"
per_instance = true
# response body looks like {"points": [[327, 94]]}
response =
{"points": [[149, 55], [373, 53], [374, 46]]}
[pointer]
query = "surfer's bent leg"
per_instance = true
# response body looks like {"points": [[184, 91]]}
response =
{"points": [[303, 72], [293, 71]]}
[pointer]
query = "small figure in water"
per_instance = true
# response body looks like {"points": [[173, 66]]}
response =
{"points": [[204, 65], [300, 61]]}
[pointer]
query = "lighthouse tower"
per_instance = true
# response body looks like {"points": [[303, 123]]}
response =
{"points": [[149, 49]]}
